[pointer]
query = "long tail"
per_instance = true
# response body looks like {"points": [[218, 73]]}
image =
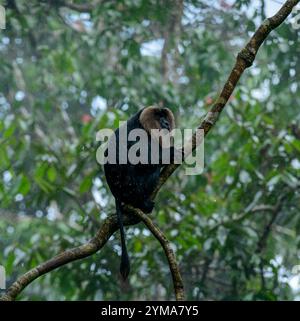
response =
{"points": [[125, 264]]}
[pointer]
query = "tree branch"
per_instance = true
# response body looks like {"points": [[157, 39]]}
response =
{"points": [[109, 226], [244, 60], [174, 268]]}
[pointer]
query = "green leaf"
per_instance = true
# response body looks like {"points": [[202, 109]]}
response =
{"points": [[86, 184], [51, 174], [24, 186]]}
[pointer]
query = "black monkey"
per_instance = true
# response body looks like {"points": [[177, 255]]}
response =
{"points": [[134, 184]]}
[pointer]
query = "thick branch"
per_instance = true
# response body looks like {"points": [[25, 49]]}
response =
{"points": [[108, 227], [177, 280], [244, 60]]}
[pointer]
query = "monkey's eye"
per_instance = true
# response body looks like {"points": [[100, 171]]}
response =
{"points": [[164, 123]]}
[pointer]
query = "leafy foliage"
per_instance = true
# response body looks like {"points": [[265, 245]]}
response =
{"points": [[66, 74]]}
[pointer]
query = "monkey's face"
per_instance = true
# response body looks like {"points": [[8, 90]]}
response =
{"points": [[157, 118], [158, 122], [162, 117]]}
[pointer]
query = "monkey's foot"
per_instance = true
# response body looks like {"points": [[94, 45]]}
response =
{"points": [[147, 206]]}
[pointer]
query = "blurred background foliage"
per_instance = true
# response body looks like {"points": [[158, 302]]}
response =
{"points": [[69, 69]]}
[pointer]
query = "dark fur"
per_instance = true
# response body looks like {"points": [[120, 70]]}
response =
{"points": [[134, 184]]}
